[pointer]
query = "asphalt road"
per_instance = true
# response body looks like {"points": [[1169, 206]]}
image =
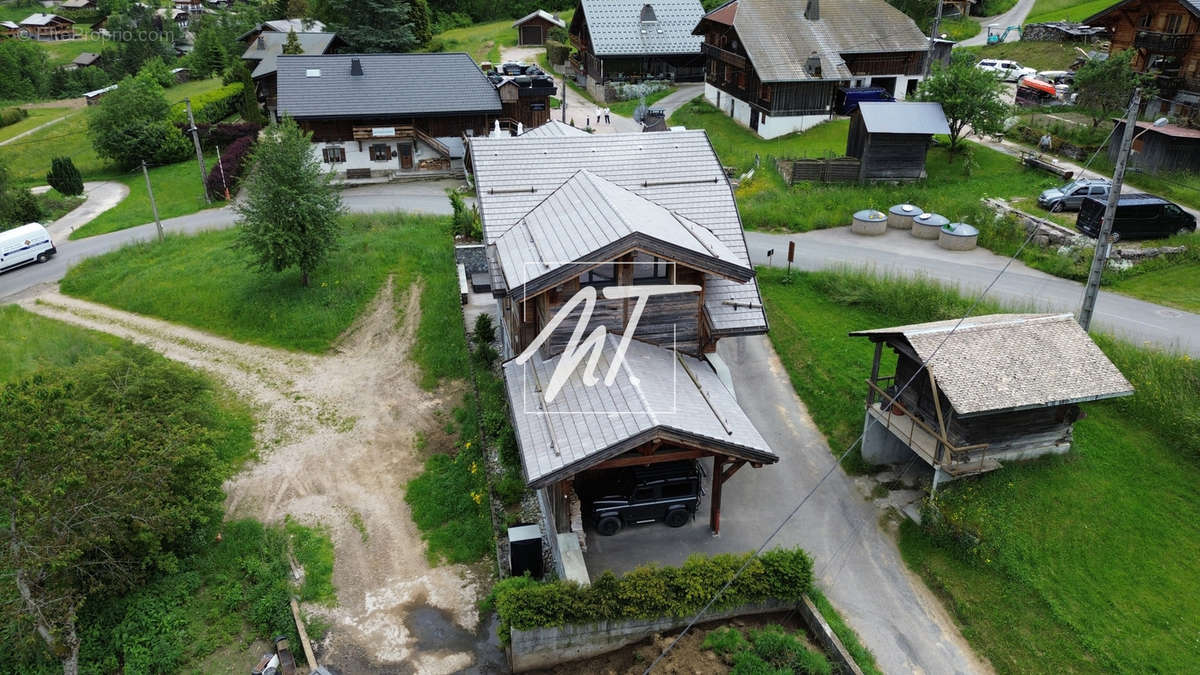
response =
{"points": [[1020, 286], [420, 197], [1013, 17]]}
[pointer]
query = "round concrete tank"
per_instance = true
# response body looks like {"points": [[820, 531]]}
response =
{"points": [[958, 237], [869, 222], [928, 225], [901, 216]]}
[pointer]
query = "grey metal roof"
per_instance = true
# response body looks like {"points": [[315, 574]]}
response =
{"points": [[542, 14], [284, 26], [40, 19], [1011, 361], [652, 397], [678, 171], [86, 58], [779, 39], [269, 46], [903, 117], [9, 24], [554, 128], [616, 28], [391, 84], [588, 215]]}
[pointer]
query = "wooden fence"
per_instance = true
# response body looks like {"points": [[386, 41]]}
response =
{"points": [[827, 170]]}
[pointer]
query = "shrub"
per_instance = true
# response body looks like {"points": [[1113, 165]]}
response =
{"points": [[19, 206], [466, 219], [226, 174], [64, 177], [12, 115], [223, 134], [211, 106], [485, 330], [557, 52], [132, 127], [510, 489], [157, 70], [726, 641]]}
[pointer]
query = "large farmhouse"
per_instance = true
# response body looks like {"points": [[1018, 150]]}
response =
{"points": [[630, 40], [568, 217], [774, 65], [267, 46], [48, 27]]}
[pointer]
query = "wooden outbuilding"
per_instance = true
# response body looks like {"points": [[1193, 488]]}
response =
{"points": [[9, 29], [534, 28], [968, 395], [1166, 148], [526, 99], [891, 139]]}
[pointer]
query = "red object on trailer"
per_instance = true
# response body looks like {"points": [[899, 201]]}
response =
{"points": [[1040, 85]]}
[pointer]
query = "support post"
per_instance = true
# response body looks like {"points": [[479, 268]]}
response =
{"points": [[199, 153], [1092, 290], [153, 205], [874, 373], [933, 33], [714, 515]]}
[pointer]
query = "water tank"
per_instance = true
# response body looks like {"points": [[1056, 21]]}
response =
{"points": [[958, 237], [901, 216], [928, 225], [869, 222], [525, 550]]}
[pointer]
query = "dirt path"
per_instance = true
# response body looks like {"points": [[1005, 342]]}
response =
{"points": [[336, 448]]}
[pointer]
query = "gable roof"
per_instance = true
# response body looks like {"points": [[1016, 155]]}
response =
{"points": [[86, 59], [9, 24], [678, 171], [391, 84], [542, 14], [285, 26], [589, 219], [1011, 361], [1192, 6], [268, 47], [903, 117], [43, 19], [77, 4], [554, 128], [652, 397], [779, 39], [616, 27]]}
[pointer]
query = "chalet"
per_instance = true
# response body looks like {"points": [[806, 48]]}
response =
{"points": [[629, 40], [774, 65], [1166, 148], [179, 17], [600, 216], [189, 6], [1162, 34], [992, 388], [93, 97], [9, 29], [84, 60], [282, 26], [261, 54], [534, 28], [78, 5], [385, 115], [48, 27], [890, 140]]}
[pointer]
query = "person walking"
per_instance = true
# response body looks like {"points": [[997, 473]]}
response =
{"points": [[607, 117]]}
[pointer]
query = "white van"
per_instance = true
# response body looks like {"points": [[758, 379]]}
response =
{"points": [[25, 244]]}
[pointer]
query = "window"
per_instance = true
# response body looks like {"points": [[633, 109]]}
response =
{"points": [[643, 494], [1145, 21], [333, 155], [380, 152], [604, 274], [741, 79], [651, 270], [1173, 211], [1173, 22], [677, 490], [764, 92]]}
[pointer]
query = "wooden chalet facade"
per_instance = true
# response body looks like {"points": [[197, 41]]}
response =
{"points": [[267, 46], [8, 29], [774, 65], [534, 28], [1163, 35], [48, 27], [967, 396], [604, 218], [632, 40]]}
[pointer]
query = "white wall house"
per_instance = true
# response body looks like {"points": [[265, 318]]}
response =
{"points": [[383, 156]]}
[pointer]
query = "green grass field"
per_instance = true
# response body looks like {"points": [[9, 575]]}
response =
{"points": [[483, 41], [177, 192], [29, 342], [959, 28], [1177, 285], [1084, 562], [37, 117], [64, 51], [1070, 10], [1038, 55]]}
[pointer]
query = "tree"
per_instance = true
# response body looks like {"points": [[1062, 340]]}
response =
{"points": [[248, 108], [374, 25], [292, 44], [289, 216], [157, 70], [24, 73], [64, 177], [970, 97], [1105, 87], [297, 9], [140, 35], [134, 125], [208, 54], [422, 22], [107, 475]]}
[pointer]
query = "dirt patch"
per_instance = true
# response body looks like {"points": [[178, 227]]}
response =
{"points": [[336, 443]]}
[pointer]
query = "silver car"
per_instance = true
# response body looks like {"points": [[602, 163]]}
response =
{"points": [[1071, 195]]}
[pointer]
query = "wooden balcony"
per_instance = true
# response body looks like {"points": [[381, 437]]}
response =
{"points": [[1162, 43], [723, 55]]}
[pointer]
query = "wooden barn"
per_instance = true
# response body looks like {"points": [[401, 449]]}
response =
{"points": [[526, 99], [891, 139], [8, 29], [993, 388], [534, 28], [1166, 148]]}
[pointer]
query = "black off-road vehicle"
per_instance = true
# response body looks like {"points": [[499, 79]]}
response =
{"points": [[669, 492]]}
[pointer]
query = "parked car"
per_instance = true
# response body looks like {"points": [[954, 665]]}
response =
{"points": [[1069, 197], [846, 99], [669, 492], [1009, 71], [1138, 216], [25, 244]]}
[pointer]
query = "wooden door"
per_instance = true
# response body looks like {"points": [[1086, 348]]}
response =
{"points": [[754, 119], [531, 35], [406, 155]]}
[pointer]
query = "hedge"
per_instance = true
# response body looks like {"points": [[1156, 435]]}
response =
{"points": [[229, 167], [651, 592], [12, 115], [211, 106], [557, 52]]}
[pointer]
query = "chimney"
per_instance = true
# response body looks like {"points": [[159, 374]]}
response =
{"points": [[262, 43], [355, 66], [813, 11]]}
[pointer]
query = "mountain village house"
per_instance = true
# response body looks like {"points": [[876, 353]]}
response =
{"points": [[266, 46], [8, 29], [282, 26], [48, 27], [534, 28], [774, 65], [632, 40]]}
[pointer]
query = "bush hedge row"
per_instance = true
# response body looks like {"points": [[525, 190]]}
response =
{"points": [[557, 52], [651, 591], [211, 106], [12, 115], [228, 171]]}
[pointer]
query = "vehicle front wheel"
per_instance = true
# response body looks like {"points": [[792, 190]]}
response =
{"points": [[43, 257], [677, 518], [608, 526]]}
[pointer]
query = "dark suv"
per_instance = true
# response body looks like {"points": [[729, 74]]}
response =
{"points": [[669, 492], [1138, 216]]}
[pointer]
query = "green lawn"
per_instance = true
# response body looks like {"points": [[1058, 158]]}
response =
{"points": [[29, 342], [959, 28], [56, 205], [1071, 10], [37, 117], [1038, 55], [482, 41], [1084, 563], [177, 192], [1176, 285], [65, 51]]}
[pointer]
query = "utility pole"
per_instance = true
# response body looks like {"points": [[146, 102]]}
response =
{"points": [[1104, 238], [563, 103], [199, 152], [153, 205], [933, 33]]}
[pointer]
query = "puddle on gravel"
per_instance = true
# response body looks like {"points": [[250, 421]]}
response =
{"points": [[434, 632]]}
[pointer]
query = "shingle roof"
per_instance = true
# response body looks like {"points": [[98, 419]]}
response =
{"points": [[678, 171], [554, 128], [903, 118], [779, 39], [269, 46], [43, 19], [542, 14], [652, 396], [616, 28], [1011, 361], [588, 219], [391, 84]]}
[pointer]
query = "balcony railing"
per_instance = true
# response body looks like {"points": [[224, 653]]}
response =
{"points": [[1162, 43], [724, 55]]}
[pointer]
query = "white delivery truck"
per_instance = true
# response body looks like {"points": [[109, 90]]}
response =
{"points": [[25, 244]]}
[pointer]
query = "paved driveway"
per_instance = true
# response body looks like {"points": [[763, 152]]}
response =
{"points": [[1013, 17]]}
